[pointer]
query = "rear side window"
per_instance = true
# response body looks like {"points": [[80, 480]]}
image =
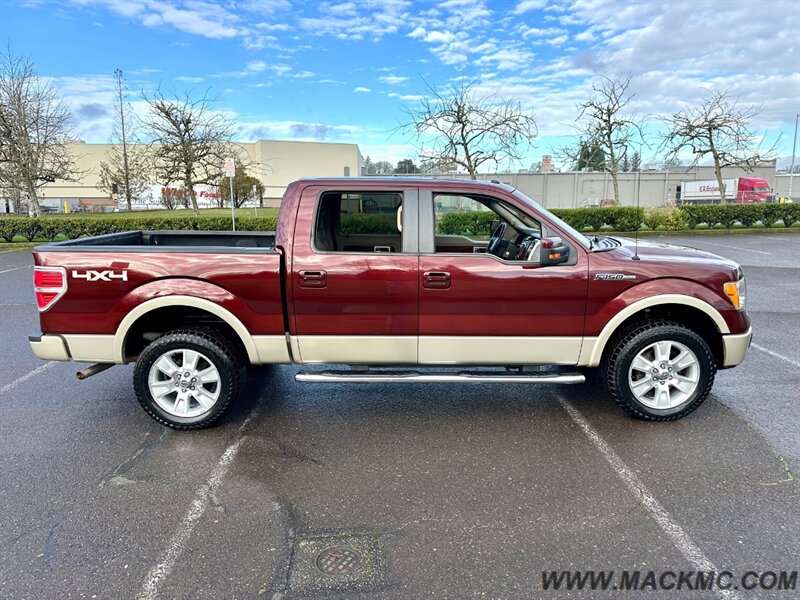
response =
{"points": [[358, 222]]}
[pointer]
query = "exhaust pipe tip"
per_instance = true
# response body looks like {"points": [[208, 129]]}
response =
{"points": [[93, 370]]}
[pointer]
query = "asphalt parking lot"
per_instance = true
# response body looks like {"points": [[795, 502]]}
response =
{"points": [[446, 491]]}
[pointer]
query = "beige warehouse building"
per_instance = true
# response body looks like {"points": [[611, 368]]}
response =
{"points": [[276, 164]]}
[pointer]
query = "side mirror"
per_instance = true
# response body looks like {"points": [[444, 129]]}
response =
{"points": [[553, 251]]}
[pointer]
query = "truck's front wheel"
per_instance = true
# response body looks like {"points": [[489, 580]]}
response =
{"points": [[187, 379], [659, 371]]}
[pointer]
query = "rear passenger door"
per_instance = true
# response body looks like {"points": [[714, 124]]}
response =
{"points": [[354, 283]]}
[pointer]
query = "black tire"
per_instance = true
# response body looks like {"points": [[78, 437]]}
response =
{"points": [[618, 359], [216, 350]]}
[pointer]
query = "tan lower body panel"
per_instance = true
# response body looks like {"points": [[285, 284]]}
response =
{"points": [[437, 350], [362, 349], [91, 348], [272, 349], [499, 350]]}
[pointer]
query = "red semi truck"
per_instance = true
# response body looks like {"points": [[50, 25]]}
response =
{"points": [[740, 190], [359, 273]]}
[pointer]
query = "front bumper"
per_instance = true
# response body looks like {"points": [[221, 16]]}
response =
{"points": [[49, 347], [734, 347]]}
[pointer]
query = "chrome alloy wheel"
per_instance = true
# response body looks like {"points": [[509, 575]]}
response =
{"points": [[664, 375], [184, 383]]}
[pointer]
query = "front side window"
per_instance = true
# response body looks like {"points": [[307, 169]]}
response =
{"points": [[482, 224], [359, 222]]}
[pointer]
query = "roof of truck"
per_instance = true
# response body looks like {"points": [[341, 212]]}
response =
{"points": [[408, 179]]}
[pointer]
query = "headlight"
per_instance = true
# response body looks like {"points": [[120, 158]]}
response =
{"points": [[736, 291]]}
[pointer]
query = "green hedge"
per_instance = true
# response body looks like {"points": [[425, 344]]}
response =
{"points": [[473, 224], [746, 214], [620, 218], [369, 223], [626, 218], [49, 228]]}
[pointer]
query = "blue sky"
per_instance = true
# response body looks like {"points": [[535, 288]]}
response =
{"points": [[343, 71]]}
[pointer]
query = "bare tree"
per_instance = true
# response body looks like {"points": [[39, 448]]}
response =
{"points": [[605, 123], [382, 167], [127, 168], [35, 128], [189, 141], [469, 130], [718, 128]]}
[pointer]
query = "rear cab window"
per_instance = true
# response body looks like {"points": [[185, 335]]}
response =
{"points": [[359, 222]]}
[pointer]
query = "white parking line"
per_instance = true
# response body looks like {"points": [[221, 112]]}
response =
{"points": [[25, 378], [774, 238], [776, 355], [16, 269], [199, 505], [680, 539], [693, 241]]}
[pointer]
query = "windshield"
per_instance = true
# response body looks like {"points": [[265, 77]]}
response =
{"points": [[569, 229]]}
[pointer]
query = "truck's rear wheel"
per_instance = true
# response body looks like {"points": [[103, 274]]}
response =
{"points": [[659, 371], [187, 379]]}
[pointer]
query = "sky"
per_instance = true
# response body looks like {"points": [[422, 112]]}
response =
{"points": [[345, 71]]}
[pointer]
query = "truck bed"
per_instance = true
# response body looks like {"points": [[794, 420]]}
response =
{"points": [[108, 276], [162, 240]]}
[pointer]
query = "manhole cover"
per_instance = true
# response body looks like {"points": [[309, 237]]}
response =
{"points": [[338, 561]]}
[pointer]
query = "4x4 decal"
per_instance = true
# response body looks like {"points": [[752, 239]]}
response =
{"points": [[91, 275]]}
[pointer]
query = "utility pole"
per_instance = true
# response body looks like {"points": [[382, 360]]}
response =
{"points": [[794, 148]]}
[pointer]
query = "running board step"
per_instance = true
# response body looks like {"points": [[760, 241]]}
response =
{"points": [[417, 377]]}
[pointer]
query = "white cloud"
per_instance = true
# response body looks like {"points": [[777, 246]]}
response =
{"points": [[392, 79], [205, 19], [188, 79], [256, 66], [346, 9], [296, 130], [529, 5], [506, 59], [361, 90], [371, 19], [540, 32]]}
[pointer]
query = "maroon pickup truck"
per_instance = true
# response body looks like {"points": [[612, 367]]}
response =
{"points": [[392, 279]]}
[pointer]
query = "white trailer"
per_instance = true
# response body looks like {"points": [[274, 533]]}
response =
{"points": [[707, 192]]}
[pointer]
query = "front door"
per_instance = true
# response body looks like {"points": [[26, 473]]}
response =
{"points": [[355, 288], [480, 308]]}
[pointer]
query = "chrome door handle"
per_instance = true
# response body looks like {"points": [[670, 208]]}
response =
{"points": [[436, 280], [313, 279]]}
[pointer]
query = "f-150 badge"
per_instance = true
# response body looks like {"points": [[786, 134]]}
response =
{"points": [[613, 277], [90, 275]]}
